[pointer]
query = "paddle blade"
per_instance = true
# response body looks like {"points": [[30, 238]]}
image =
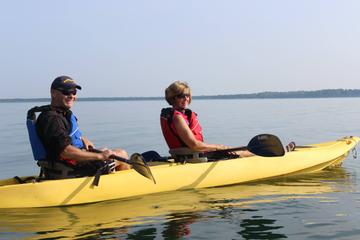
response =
{"points": [[141, 167], [266, 145]]}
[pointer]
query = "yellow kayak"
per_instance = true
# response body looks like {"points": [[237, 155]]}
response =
{"points": [[78, 221], [174, 176]]}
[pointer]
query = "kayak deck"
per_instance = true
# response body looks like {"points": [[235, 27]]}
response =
{"points": [[174, 176]]}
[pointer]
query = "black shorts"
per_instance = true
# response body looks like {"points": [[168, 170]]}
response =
{"points": [[88, 168]]}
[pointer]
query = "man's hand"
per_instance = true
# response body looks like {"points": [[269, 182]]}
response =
{"points": [[107, 154], [88, 144]]}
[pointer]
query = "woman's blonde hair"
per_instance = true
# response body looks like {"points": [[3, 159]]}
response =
{"points": [[177, 88]]}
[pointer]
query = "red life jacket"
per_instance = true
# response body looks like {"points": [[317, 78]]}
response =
{"points": [[172, 138]]}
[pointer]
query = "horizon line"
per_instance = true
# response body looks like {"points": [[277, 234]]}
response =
{"points": [[323, 93]]}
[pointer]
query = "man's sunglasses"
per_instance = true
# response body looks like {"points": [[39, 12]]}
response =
{"points": [[67, 92], [183, 96]]}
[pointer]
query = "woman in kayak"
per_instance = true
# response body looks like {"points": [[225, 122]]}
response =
{"points": [[180, 125]]}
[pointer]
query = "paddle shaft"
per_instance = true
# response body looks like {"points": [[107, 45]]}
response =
{"points": [[245, 148], [234, 149], [112, 156], [154, 156], [229, 150], [265, 145]]}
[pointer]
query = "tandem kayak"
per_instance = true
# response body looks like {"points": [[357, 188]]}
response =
{"points": [[78, 222], [174, 176]]}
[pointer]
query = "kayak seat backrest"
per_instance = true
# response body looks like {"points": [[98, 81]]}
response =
{"points": [[37, 147], [187, 155]]}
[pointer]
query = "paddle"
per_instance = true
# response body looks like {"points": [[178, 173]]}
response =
{"points": [[137, 162], [265, 145]]}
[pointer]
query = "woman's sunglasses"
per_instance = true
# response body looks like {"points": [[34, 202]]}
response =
{"points": [[183, 96]]}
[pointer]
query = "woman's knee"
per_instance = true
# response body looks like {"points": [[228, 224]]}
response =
{"points": [[121, 153]]}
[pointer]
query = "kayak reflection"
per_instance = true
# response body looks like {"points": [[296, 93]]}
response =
{"points": [[170, 215]]}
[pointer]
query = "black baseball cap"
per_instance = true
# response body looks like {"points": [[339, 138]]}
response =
{"points": [[64, 83]]}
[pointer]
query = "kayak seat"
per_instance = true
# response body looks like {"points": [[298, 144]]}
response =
{"points": [[187, 155], [55, 170]]}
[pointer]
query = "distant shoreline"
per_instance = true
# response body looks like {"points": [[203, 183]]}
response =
{"points": [[325, 93]]}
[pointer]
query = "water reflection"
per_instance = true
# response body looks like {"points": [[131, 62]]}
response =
{"points": [[179, 225], [172, 215], [260, 228]]}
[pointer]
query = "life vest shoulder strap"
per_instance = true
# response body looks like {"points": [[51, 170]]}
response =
{"points": [[168, 113], [188, 113]]}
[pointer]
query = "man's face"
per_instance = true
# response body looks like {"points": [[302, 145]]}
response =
{"points": [[63, 98]]}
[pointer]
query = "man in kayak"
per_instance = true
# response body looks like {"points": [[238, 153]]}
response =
{"points": [[180, 125], [58, 131]]}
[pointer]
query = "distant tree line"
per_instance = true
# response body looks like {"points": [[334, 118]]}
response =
{"points": [[325, 93]]}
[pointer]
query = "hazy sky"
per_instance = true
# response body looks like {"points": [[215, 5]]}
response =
{"points": [[138, 47]]}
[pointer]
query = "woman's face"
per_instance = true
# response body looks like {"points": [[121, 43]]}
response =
{"points": [[182, 101]]}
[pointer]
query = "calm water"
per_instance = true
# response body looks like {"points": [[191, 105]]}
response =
{"points": [[324, 205]]}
